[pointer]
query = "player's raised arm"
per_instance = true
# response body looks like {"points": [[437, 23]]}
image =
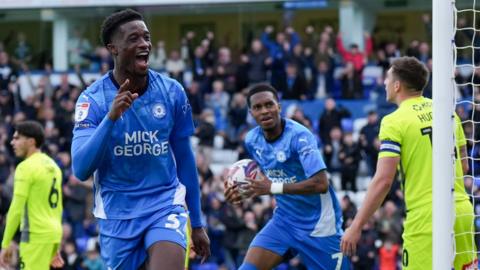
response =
{"points": [[89, 140]]}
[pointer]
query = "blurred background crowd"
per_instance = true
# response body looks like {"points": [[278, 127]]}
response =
{"points": [[304, 65]]}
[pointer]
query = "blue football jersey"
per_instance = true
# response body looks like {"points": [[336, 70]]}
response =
{"points": [[137, 174], [292, 158]]}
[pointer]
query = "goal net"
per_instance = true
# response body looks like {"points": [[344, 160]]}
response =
{"points": [[456, 88]]}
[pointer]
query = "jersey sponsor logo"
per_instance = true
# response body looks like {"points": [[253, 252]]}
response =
{"points": [[420, 107], [281, 156], [81, 111], [159, 110], [140, 143], [280, 176], [82, 125]]}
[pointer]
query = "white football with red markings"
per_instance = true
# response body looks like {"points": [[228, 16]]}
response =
{"points": [[242, 169]]}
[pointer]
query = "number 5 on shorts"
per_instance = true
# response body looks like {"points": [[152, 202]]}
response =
{"points": [[339, 257]]}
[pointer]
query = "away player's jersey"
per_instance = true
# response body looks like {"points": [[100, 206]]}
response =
{"points": [[407, 132], [39, 179], [137, 174], [292, 158]]}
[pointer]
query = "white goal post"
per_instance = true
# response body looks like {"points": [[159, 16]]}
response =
{"points": [[443, 135]]}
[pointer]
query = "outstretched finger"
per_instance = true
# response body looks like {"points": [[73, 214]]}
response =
{"points": [[124, 86]]}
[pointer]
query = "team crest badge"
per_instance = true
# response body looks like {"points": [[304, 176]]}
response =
{"points": [[281, 157], [81, 111], [159, 110]]}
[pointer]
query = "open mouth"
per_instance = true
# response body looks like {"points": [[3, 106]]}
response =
{"points": [[142, 60], [266, 120]]}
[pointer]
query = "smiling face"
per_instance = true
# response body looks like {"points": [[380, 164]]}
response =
{"points": [[131, 47], [265, 109]]}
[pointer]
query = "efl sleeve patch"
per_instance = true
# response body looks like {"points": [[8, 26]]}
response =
{"points": [[81, 111]]}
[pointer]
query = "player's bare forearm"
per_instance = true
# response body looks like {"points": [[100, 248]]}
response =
{"points": [[377, 191], [318, 183]]}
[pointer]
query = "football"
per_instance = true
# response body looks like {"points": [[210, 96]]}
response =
{"points": [[244, 168]]}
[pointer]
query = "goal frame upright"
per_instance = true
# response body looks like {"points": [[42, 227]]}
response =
{"points": [[443, 161]]}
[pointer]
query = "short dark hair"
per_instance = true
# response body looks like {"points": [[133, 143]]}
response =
{"points": [[31, 129], [261, 87], [112, 22], [411, 72]]}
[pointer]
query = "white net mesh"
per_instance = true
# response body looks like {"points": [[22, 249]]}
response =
{"points": [[466, 50]]}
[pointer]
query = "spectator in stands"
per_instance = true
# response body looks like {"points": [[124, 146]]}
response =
{"points": [[351, 82], [7, 72], [322, 81], [312, 37], [424, 52], [258, 62], [299, 116], [246, 234], [225, 70], [73, 261], [330, 118], [22, 53], [354, 55], [381, 60], [297, 57], [279, 50], [62, 91], [208, 43], [93, 261], [158, 56], [77, 46], [218, 102], [205, 130], [75, 196], [391, 51], [349, 210], [349, 157], [389, 223], [368, 135], [175, 66], [99, 59], [325, 53], [294, 86], [412, 49], [389, 255], [331, 150], [216, 229], [6, 105], [232, 217], [237, 118], [203, 166], [195, 98], [198, 64]]}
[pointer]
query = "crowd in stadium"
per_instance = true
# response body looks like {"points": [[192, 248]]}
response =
{"points": [[302, 65]]}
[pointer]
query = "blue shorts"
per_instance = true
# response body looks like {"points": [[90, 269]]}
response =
{"points": [[124, 243], [319, 253]]}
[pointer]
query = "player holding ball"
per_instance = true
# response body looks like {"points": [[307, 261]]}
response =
{"points": [[308, 218]]}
